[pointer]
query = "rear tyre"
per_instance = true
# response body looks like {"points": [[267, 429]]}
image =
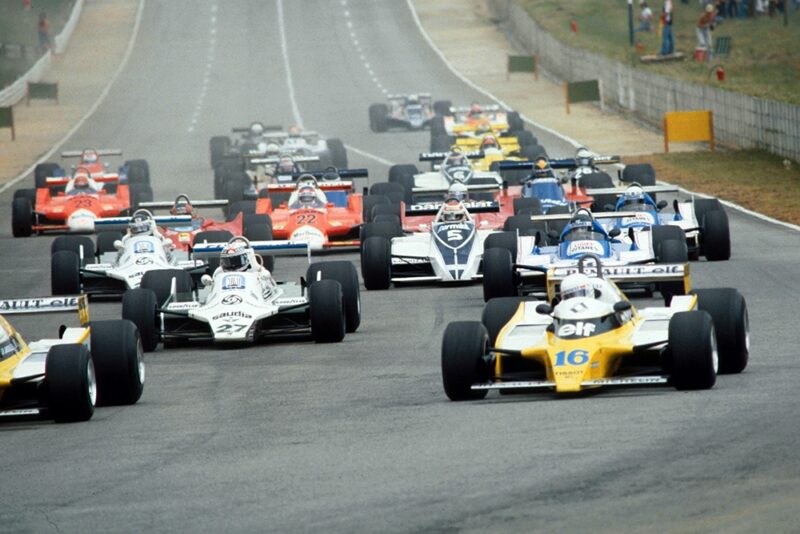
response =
{"points": [[139, 193], [74, 243], [138, 171], [117, 352], [599, 180], [65, 273], [464, 348], [218, 146], [527, 206], [376, 263], [395, 192], [386, 230], [525, 139], [21, 217], [247, 207], [338, 153], [716, 236], [327, 311], [43, 171], [160, 283], [515, 123], [692, 350], [442, 107], [642, 173], [403, 169], [30, 194], [370, 201], [497, 313], [728, 310], [71, 385], [504, 240], [377, 117], [498, 274], [139, 306], [345, 273]]}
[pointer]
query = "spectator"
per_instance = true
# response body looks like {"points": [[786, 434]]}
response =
{"points": [[26, 5], [704, 26], [731, 8], [667, 42], [44, 31], [645, 17]]}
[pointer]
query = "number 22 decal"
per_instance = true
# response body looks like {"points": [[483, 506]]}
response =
{"points": [[575, 357], [306, 218]]}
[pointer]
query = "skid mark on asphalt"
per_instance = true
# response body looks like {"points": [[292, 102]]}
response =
{"points": [[212, 46]]}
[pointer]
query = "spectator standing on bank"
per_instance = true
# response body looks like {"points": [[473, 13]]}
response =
{"points": [[44, 31], [667, 42], [731, 9], [704, 26], [645, 17]]}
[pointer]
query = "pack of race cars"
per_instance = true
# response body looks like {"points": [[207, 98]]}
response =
{"points": [[559, 246]]}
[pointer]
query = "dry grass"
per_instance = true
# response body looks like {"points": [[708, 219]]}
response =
{"points": [[754, 179], [764, 59]]}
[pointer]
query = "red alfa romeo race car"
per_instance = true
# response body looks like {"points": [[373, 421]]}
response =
{"points": [[65, 203]]}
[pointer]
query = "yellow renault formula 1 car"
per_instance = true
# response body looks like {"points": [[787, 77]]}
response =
{"points": [[595, 337], [63, 378]]}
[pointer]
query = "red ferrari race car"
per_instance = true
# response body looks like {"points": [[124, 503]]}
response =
{"points": [[207, 230], [64, 203], [324, 214]]}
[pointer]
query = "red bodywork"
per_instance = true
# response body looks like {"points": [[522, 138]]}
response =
{"points": [[484, 221], [338, 224], [54, 210]]}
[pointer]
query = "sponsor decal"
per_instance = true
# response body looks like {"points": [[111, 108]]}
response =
{"points": [[580, 328], [183, 306], [585, 247], [640, 218], [138, 274], [230, 300], [291, 301], [43, 304], [231, 314], [626, 270], [233, 281], [143, 261], [143, 247], [185, 237]]}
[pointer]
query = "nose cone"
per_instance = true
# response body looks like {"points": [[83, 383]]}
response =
{"points": [[81, 221], [309, 235]]}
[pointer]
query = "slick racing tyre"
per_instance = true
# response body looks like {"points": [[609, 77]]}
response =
{"points": [[345, 273], [728, 310], [377, 117], [464, 348], [692, 353], [641, 173], [105, 242], [69, 378], [499, 277], [118, 356], [160, 283], [21, 217], [327, 311], [376, 263], [43, 171], [65, 273], [139, 306]]}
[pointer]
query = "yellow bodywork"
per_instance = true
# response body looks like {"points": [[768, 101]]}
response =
{"points": [[8, 365]]}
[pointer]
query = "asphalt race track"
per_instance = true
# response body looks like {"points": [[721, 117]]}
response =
{"points": [[359, 436]]}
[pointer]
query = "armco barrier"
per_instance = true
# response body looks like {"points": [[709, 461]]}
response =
{"points": [[739, 120], [17, 90]]}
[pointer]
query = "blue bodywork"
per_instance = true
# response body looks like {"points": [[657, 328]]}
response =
{"points": [[547, 190]]}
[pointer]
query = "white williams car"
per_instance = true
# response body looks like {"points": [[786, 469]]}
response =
{"points": [[451, 252], [242, 302], [117, 262]]}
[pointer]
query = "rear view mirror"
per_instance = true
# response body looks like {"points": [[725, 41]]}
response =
{"points": [[552, 234], [614, 232], [621, 306], [661, 204], [544, 309]]}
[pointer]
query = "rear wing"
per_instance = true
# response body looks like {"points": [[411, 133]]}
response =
{"points": [[602, 215], [77, 303], [105, 179], [432, 208], [438, 156], [464, 109], [623, 190], [246, 129], [566, 163], [296, 159], [343, 173], [324, 186], [163, 205], [281, 247], [664, 272], [121, 223], [443, 191], [100, 152]]}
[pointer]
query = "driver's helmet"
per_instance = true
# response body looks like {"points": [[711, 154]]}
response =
{"points": [[412, 99], [182, 206], [453, 211], [580, 223], [256, 129], [89, 156], [455, 159], [541, 168], [633, 199], [285, 165], [272, 149], [584, 157], [459, 192], [294, 131], [576, 285], [490, 143], [235, 257], [330, 174], [82, 181], [141, 223], [475, 110], [306, 194]]}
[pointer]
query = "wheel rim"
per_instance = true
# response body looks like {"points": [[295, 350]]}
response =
{"points": [[91, 383], [714, 352], [140, 360]]}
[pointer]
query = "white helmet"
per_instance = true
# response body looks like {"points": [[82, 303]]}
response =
{"points": [[576, 285], [256, 129], [235, 256]]}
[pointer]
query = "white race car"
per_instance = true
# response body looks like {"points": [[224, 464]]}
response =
{"points": [[245, 305], [451, 252]]}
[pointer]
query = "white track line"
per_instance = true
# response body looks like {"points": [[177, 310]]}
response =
{"points": [[573, 142], [298, 119], [100, 99]]}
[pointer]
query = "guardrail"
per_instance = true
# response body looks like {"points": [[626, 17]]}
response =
{"points": [[18, 90]]}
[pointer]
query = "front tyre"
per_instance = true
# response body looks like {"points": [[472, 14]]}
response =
{"points": [[70, 382], [498, 274], [693, 350], [464, 363], [326, 311], [118, 356]]}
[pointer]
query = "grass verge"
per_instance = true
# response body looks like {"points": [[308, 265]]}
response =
{"points": [[764, 59], [754, 179]]}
